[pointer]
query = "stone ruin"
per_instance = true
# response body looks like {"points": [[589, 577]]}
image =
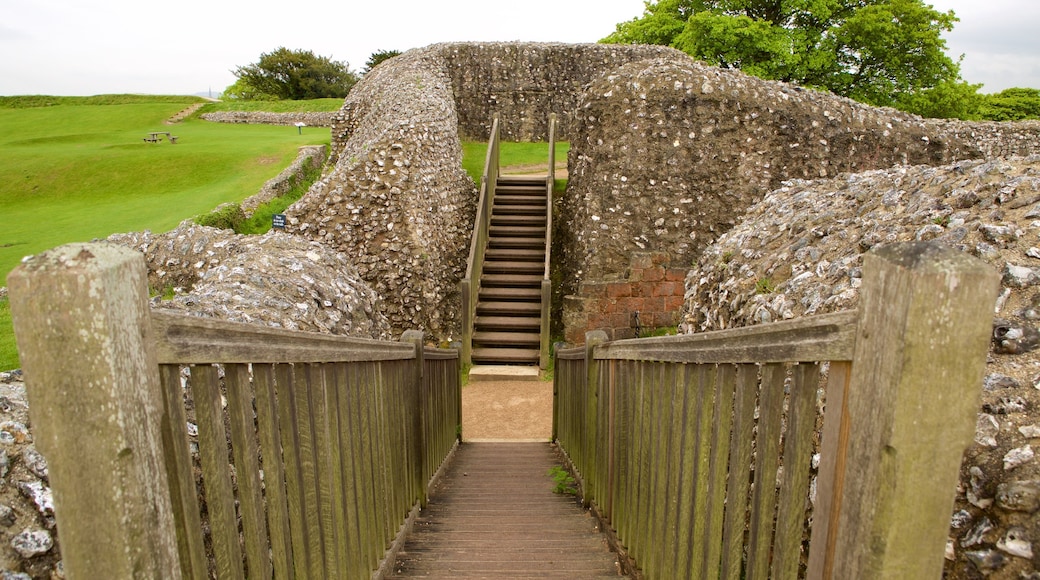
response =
{"points": [[673, 165]]}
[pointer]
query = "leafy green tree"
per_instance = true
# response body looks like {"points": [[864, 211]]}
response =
{"points": [[294, 75], [1013, 104], [378, 57], [874, 51]]}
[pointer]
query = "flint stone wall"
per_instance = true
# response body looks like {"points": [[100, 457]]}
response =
{"points": [[319, 119], [398, 201], [666, 154]]}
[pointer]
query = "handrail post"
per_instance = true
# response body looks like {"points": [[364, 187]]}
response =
{"points": [[550, 180], [909, 413], [81, 317], [422, 419]]}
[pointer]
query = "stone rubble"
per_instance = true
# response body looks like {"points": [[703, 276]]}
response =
{"points": [[275, 279], [29, 547]]}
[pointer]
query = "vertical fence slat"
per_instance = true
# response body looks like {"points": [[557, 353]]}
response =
{"points": [[311, 500], [705, 385], [687, 490], [287, 390], [722, 422], [833, 440], [659, 425], [274, 471], [798, 448], [674, 494], [738, 482], [333, 390], [179, 472], [622, 446], [644, 376], [353, 530], [365, 443], [216, 476], [247, 470], [767, 452]]}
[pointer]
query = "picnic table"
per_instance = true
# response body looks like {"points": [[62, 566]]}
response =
{"points": [[156, 136]]}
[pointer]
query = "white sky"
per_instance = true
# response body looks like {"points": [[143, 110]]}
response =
{"points": [[87, 47]]}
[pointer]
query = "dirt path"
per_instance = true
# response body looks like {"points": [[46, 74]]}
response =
{"points": [[507, 410]]}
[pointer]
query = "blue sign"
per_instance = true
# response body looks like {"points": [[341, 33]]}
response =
{"points": [[278, 221]]}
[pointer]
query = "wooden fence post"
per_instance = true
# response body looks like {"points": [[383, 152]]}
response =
{"points": [[82, 321], [925, 322], [423, 424]]}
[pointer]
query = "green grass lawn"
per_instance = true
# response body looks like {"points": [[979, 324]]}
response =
{"points": [[73, 169], [509, 154]]}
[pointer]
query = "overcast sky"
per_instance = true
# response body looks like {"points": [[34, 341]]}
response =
{"points": [[87, 47]]}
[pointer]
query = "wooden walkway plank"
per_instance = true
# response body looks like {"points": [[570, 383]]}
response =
{"points": [[494, 514]]}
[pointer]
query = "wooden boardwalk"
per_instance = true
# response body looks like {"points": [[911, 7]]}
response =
{"points": [[494, 515]]}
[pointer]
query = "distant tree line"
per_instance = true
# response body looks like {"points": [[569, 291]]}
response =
{"points": [[880, 52], [285, 74]]}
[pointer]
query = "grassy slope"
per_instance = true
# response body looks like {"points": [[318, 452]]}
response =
{"points": [[71, 171]]}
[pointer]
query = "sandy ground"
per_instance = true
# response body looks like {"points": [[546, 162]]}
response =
{"points": [[507, 410]]}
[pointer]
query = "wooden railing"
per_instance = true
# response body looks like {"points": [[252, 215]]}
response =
{"points": [[550, 184], [700, 452], [470, 284], [313, 453]]}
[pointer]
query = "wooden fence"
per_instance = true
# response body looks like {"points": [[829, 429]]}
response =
{"points": [[825, 447], [185, 447]]}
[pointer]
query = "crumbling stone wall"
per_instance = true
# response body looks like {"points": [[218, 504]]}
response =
{"points": [[311, 119], [398, 201]]}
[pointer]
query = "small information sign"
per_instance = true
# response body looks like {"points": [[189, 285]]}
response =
{"points": [[278, 221]]}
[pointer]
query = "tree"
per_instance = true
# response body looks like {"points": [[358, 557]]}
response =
{"points": [[1012, 104], [378, 57], [874, 51], [294, 75]]}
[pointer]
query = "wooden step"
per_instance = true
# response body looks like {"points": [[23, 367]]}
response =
{"points": [[513, 267], [517, 231], [518, 199], [508, 322], [511, 280], [521, 180], [506, 219], [506, 209], [508, 308], [488, 355], [517, 339], [510, 295], [516, 254], [529, 243]]}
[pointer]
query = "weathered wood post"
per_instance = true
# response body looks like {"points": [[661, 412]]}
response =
{"points": [[909, 412], [82, 322]]}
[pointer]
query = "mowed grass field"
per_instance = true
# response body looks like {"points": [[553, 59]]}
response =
{"points": [[74, 171]]}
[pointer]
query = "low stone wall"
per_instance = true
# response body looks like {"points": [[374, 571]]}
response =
{"points": [[323, 119], [310, 157]]}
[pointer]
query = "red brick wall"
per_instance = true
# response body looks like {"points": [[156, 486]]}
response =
{"points": [[650, 288]]}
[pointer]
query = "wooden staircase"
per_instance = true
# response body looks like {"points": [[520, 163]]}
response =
{"points": [[509, 304]]}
